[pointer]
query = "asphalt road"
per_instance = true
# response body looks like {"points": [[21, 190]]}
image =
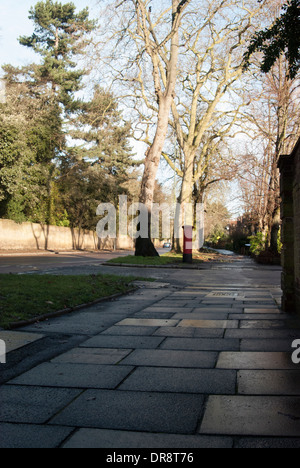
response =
{"points": [[51, 262]]}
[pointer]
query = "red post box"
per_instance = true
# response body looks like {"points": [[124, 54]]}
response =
{"points": [[187, 244]]}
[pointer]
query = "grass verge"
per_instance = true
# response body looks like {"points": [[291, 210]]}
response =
{"points": [[169, 258], [165, 259], [24, 297]]}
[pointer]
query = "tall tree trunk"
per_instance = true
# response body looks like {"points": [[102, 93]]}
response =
{"points": [[144, 246]]}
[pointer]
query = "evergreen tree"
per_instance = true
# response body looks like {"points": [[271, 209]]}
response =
{"points": [[99, 125], [60, 36], [30, 133], [281, 38], [98, 166]]}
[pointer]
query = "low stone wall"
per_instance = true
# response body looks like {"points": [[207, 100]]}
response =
{"points": [[289, 166], [30, 236]]}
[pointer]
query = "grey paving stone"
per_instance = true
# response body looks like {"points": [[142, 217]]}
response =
{"points": [[268, 442], [283, 345], [257, 317], [74, 375], [202, 316], [190, 332], [255, 360], [171, 304], [102, 438], [133, 411], [272, 382], [269, 324], [25, 436], [214, 309], [127, 342], [35, 405], [93, 356], [131, 322], [264, 334], [153, 315], [218, 302], [252, 415], [209, 323], [159, 309], [260, 310], [166, 358], [129, 331], [204, 381], [201, 344]]}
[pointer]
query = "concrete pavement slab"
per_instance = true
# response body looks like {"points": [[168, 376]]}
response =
{"points": [[283, 345], [74, 375], [262, 333], [93, 356], [238, 415], [267, 442], [209, 323], [201, 344], [269, 382], [126, 342], [14, 436], [102, 438], [190, 332], [124, 330], [131, 322], [199, 381], [36, 405], [134, 411], [255, 360], [167, 358]]}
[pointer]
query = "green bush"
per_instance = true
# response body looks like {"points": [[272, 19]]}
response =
{"points": [[258, 243]]}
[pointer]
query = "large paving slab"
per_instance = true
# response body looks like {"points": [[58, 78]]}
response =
{"points": [[74, 375], [255, 360], [127, 342], [199, 381], [252, 415], [201, 344], [269, 382], [171, 358], [103, 438], [134, 411], [93, 356], [18, 436], [22, 404]]}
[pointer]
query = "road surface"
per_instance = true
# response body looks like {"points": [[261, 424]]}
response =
{"points": [[52, 262]]}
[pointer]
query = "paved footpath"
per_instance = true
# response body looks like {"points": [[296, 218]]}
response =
{"points": [[200, 359]]}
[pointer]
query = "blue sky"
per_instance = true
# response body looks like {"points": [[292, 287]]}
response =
{"points": [[14, 22]]}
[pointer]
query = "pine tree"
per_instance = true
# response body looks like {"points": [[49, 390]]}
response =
{"points": [[60, 36]]}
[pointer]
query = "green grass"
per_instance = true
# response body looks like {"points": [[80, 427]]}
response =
{"points": [[204, 256], [24, 297], [166, 259]]}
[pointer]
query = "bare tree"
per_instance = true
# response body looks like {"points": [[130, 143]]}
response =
{"points": [[148, 34], [273, 121], [209, 92]]}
